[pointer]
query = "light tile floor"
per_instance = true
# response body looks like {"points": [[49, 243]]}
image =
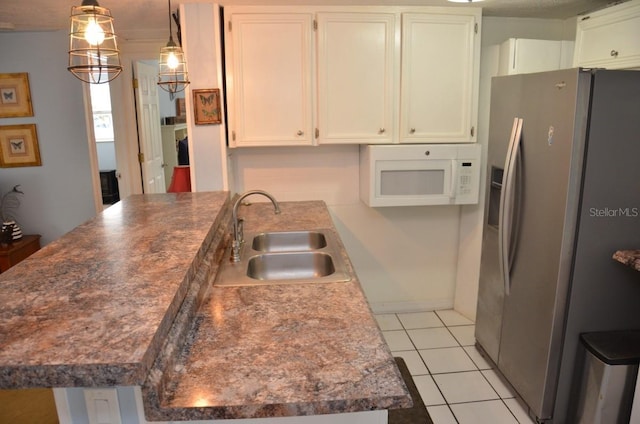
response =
{"points": [[456, 383]]}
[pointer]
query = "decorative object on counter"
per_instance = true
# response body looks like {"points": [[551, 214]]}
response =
{"points": [[206, 106], [628, 257], [8, 204], [19, 146], [172, 75], [181, 112], [6, 234], [93, 50], [15, 95]]}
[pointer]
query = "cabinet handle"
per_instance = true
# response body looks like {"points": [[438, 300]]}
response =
{"points": [[614, 53], [300, 133], [412, 131], [381, 131]]}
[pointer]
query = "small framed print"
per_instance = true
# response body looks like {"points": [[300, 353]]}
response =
{"points": [[206, 106], [181, 108], [15, 96], [19, 146]]}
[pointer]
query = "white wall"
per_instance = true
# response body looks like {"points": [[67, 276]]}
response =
{"points": [[58, 195], [207, 144], [405, 257]]}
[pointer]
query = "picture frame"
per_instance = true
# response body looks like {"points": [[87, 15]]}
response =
{"points": [[181, 108], [206, 106], [19, 146], [15, 95]]}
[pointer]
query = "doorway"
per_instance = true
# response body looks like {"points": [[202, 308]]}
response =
{"points": [[105, 142]]}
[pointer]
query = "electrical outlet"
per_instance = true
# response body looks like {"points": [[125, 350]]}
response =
{"points": [[102, 406]]}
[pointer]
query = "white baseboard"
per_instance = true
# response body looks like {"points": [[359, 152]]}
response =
{"points": [[405, 307]]}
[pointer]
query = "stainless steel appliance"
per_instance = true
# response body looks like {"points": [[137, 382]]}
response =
{"points": [[563, 196]]}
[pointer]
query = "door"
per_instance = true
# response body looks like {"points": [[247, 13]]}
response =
{"points": [[269, 63], [505, 107], [538, 275], [358, 75], [149, 133], [438, 71]]}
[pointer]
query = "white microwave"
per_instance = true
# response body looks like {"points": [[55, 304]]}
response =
{"points": [[419, 174]]}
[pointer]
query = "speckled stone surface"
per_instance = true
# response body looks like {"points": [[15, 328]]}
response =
{"points": [[279, 350], [628, 257], [127, 299], [94, 308]]}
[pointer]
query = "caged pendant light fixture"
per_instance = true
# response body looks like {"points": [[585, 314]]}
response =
{"points": [[93, 51], [172, 75]]}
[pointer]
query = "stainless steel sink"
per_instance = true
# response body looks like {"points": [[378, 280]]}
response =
{"points": [[290, 266], [289, 241], [289, 257]]}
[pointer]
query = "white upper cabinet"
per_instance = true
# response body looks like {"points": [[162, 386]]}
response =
{"points": [[440, 68], [523, 56], [358, 77], [270, 91], [609, 38], [384, 74]]}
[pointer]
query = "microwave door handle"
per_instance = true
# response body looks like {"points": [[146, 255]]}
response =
{"points": [[507, 203]]}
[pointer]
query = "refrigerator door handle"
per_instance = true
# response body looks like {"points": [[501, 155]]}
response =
{"points": [[507, 203]]}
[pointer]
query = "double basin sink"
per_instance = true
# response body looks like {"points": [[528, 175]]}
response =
{"points": [[285, 257]]}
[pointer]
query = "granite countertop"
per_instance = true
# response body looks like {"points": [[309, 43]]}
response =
{"points": [[94, 307], [146, 314], [279, 350], [628, 257]]}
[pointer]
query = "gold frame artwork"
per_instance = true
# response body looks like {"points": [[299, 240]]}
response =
{"points": [[19, 146], [181, 108], [15, 96], [206, 106]]}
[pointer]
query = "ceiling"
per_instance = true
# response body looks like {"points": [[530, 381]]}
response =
{"points": [[139, 19]]}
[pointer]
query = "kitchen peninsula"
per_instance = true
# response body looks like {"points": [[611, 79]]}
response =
{"points": [[126, 299]]}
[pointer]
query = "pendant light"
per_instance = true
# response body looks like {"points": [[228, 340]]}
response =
{"points": [[172, 76], [93, 51]]}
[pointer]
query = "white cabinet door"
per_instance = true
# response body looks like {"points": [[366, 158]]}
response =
{"points": [[358, 77], [270, 79], [523, 56], [439, 78], [610, 38]]}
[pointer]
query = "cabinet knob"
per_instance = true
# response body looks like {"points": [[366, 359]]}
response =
{"points": [[614, 53], [381, 131], [412, 131], [300, 133]]}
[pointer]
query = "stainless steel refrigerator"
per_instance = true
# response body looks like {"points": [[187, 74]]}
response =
{"points": [[563, 195]]}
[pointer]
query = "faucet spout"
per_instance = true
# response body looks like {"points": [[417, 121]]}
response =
{"points": [[238, 236]]}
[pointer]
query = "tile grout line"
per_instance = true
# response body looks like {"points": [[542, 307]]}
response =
{"points": [[459, 345]]}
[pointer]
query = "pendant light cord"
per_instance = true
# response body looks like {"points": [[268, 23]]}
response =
{"points": [[170, 32]]}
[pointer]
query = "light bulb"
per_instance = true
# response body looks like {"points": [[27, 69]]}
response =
{"points": [[172, 61], [94, 34]]}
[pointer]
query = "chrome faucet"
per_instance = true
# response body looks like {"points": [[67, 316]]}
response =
{"points": [[238, 236]]}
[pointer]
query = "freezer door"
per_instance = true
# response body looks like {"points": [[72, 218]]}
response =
{"points": [[552, 152], [505, 103]]}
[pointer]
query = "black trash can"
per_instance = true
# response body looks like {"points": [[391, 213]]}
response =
{"points": [[608, 377]]}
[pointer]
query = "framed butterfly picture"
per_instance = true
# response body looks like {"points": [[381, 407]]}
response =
{"points": [[206, 106], [19, 146], [15, 96]]}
